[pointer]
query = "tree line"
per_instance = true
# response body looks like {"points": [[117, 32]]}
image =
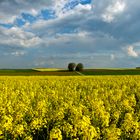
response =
{"points": [[74, 67]]}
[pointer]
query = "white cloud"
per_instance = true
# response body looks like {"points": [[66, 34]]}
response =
{"points": [[58, 7], [18, 53], [81, 31], [34, 12], [62, 12], [132, 52], [108, 10], [11, 19], [10, 9], [112, 57], [18, 37], [83, 8], [113, 10], [34, 41]]}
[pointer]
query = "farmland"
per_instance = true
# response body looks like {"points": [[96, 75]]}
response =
{"points": [[65, 72], [35, 72], [72, 107], [121, 71]]}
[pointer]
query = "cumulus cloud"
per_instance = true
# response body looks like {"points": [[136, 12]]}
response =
{"points": [[18, 53], [112, 56], [18, 37], [81, 32], [58, 7], [132, 52], [10, 9], [114, 9], [109, 10]]}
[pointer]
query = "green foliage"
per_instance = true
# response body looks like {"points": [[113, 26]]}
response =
{"points": [[79, 67], [71, 66], [80, 108]]}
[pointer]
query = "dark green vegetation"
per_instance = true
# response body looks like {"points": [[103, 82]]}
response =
{"points": [[75, 67], [111, 72], [35, 72], [63, 72], [79, 67], [71, 66]]}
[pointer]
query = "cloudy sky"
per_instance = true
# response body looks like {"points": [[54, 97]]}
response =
{"points": [[52, 33]]}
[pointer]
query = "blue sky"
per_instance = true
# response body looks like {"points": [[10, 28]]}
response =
{"points": [[52, 33]]}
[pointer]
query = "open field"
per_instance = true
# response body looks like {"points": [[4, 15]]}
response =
{"points": [[64, 72], [48, 69], [68, 108], [35, 72]]}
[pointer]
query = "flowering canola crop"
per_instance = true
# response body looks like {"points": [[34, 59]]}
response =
{"points": [[80, 108]]}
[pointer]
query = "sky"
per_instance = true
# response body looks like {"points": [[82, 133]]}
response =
{"points": [[53, 33]]}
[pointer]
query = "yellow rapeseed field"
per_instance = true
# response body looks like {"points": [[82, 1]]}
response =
{"points": [[80, 108]]}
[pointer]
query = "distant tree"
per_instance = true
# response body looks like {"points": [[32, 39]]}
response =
{"points": [[79, 67], [71, 66]]}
